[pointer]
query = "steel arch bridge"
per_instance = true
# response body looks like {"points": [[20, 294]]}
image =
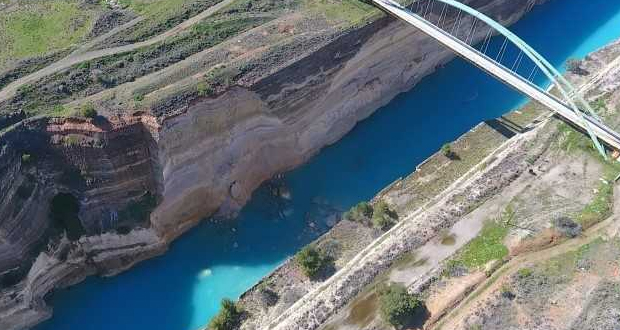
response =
{"points": [[468, 33]]}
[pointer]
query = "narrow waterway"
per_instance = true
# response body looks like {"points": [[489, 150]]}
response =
{"points": [[182, 289]]}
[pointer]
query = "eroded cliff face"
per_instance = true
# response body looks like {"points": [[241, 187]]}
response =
{"points": [[205, 160], [103, 165]]}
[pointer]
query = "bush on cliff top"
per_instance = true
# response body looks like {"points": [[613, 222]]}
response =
{"points": [[383, 217], [228, 318], [311, 261], [88, 111], [360, 212]]}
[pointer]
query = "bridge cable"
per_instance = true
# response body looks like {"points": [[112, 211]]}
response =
{"points": [[441, 16], [501, 51], [517, 62], [487, 41], [532, 75], [458, 27], [415, 3], [471, 32], [458, 16], [428, 10]]}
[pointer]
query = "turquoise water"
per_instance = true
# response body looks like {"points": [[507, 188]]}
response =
{"points": [[182, 289]]}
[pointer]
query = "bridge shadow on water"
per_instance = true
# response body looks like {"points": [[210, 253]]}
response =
{"points": [[182, 289]]}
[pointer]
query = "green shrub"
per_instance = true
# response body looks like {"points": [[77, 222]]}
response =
{"points": [[138, 97], [397, 306], [382, 216], [361, 211], [227, 318], [204, 89], [524, 272], [88, 111], [84, 65], [25, 89], [446, 150], [310, 260], [58, 109]]}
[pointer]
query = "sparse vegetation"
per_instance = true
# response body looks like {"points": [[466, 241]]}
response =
{"points": [[117, 69], [222, 76], [58, 110], [487, 246], [572, 141], [344, 11], [311, 261], [71, 140], [574, 66], [397, 306], [204, 89], [599, 105], [601, 205], [228, 318]]}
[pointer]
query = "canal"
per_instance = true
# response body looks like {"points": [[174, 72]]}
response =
{"points": [[182, 289]]}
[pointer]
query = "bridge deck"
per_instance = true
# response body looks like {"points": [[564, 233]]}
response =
{"points": [[604, 133]]}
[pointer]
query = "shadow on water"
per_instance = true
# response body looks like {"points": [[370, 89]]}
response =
{"points": [[182, 289]]}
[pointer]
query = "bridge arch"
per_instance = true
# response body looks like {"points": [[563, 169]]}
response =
{"points": [[570, 95]]}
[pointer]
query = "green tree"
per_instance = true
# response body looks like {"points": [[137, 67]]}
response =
{"points": [[310, 260], [88, 111], [359, 212], [228, 317], [397, 306], [446, 150], [382, 216]]}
